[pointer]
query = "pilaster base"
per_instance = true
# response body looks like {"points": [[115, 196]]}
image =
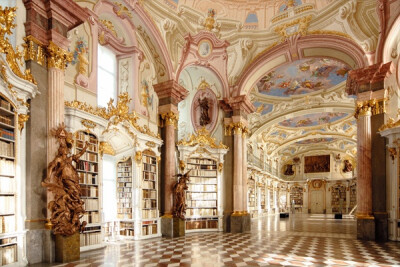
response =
{"points": [[381, 226], [366, 228], [67, 248], [240, 223], [172, 227]]}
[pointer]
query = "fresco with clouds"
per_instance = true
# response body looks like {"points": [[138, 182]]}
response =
{"points": [[302, 77], [315, 141], [263, 108], [313, 119]]}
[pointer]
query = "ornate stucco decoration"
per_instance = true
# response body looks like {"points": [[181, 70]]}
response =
{"points": [[106, 148], [370, 107], [391, 123], [58, 57], [297, 26], [109, 25], [237, 128], [34, 50], [88, 124], [169, 118], [22, 118], [202, 138], [13, 58], [209, 22], [122, 12]]}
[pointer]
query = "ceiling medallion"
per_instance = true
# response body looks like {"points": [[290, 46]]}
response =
{"points": [[205, 48]]}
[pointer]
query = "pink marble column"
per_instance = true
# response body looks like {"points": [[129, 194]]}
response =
{"points": [[364, 175], [244, 172], [237, 171]]}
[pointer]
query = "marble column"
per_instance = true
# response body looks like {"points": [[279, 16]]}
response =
{"points": [[365, 220], [237, 171], [244, 172]]}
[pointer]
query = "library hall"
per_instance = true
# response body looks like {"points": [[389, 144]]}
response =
{"points": [[199, 133]]}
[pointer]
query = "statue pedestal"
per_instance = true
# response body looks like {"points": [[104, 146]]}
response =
{"points": [[240, 223], [172, 227], [67, 248]]}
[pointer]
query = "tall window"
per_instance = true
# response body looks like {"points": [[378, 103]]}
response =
{"points": [[106, 76]]}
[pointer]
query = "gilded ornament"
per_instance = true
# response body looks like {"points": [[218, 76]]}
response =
{"points": [[10, 86], [58, 57], [22, 118], [203, 85], [238, 128], [138, 156], [330, 32], [123, 10], [106, 148], [202, 138], [220, 167], [88, 124], [391, 123], [297, 26], [210, 21], [182, 165], [109, 25], [34, 50], [150, 144], [170, 118], [14, 57]]}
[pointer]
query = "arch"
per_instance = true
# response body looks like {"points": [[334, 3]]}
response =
{"points": [[393, 38], [296, 48]]}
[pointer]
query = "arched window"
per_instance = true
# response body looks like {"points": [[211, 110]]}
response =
{"points": [[106, 76]]}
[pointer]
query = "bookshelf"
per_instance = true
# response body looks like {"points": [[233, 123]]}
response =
{"points": [[8, 190], [296, 195], [88, 170], [202, 194], [338, 195], [262, 198], [149, 190], [252, 197], [353, 195]]}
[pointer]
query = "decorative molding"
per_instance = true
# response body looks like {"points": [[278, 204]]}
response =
{"points": [[369, 107], [123, 11], [169, 118], [88, 124], [294, 27], [106, 148], [138, 156], [237, 128], [109, 25], [58, 57], [34, 50], [22, 118], [150, 144], [391, 123], [203, 139]]}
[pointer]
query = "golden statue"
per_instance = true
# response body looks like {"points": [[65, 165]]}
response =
{"points": [[63, 181], [180, 188]]}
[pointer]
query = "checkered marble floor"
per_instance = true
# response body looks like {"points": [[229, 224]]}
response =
{"points": [[301, 240]]}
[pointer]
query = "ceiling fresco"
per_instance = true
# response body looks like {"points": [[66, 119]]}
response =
{"points": [[302, 77], [315, 141], [289, 3], [315, 119], [262, 108]]}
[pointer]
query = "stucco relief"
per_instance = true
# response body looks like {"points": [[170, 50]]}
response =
{"points": [[204, 111]]}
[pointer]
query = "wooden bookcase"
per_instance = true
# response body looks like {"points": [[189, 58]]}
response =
{"points": [[353, 195], [338, 195], [149, 201], [252, 197], [202, 195], [88, 171], [8, 190], [296, 194]]}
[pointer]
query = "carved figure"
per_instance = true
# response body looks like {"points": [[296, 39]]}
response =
{"points": [[204, 107], [289, 169], [179, 195], [63, 181], [348, 167]]}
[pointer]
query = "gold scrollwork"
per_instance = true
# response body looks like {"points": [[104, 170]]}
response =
{"points": [[220, 167], [109, 25], [238, 128], [150, 144], [34, 50], [123, 10], [202, 138], [169, 118], [88, 124], [106, 148], [300, 26], [370, 107], [392, 153], [22, 118], [182, 165], [13, 57], [138, 156], [58, 57]]}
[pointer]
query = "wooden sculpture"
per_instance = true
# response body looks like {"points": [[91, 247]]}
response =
{"points": [[180, 188], [63, 181]]}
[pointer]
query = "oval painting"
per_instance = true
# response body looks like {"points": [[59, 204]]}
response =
{"points": [[204, 111]]}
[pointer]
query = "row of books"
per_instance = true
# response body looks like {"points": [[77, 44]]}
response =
{"points": [[127, 232], [7, 205], [202, 187], [89, 239], [5, 104], [124, 189], [6, 149], [203, 181], [196, 172], [6, 185], [91, 217], [91, 147], [201, 203], [122, 175], [148, 214], [151, 176], [7, 134], [91, 204], [81, 136], [201, 196], [149, 229], [149, 194], [89, 191], [87, 178], [124, 195], [6, 167], [6, 120], [124, 210], [87, 166], [201, 224], [125, 205], [125, 184], [201, 212], [202, 161], [124, 180], [8, 254], [149, 159], [149, 203], [149, 167], [149, 185], [7, 224], [89, 157], [124, 225]]}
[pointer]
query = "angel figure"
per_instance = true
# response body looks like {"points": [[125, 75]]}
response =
{"points": [[179, 195], [63, 181]]}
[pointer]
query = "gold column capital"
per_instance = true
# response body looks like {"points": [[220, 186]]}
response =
{"points": [[370, 107], [169, 118], [237, 128], [58, 57]]}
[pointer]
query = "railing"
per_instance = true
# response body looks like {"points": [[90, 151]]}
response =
{"points": [[255, 161]]}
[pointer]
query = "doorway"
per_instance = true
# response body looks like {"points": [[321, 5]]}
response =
{"points": [[317, 202]]}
